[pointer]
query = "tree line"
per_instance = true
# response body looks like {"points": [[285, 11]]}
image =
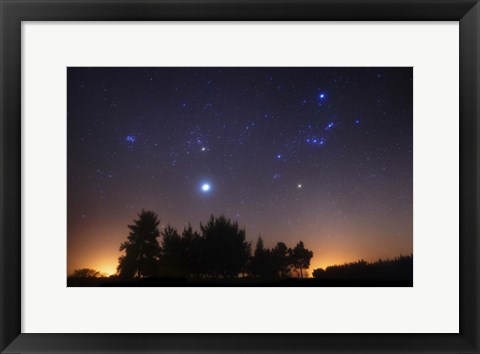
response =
{"points": [[218, 250], [398, 268]]}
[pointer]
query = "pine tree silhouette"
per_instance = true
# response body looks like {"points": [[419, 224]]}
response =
{"points": [[141, 248], [301, 257]]}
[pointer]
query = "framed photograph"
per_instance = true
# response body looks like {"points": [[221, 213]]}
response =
{"points": [[257, 151], [239, 176]]}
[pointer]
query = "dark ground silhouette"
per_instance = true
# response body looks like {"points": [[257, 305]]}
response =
{"points": [[236, 282]]}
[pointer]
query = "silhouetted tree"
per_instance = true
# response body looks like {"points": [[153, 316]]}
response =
{"points": [[254, 265], [220, 250], [141, 248], [280, 259], [172, 260], [193, 251], [182, 255], [87, 273], [261, 262], [300, 257], [225, 248], [318, 273]]}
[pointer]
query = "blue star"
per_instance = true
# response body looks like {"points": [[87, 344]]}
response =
{"points": [[329, 125], [278, 157], [357, 121], [206, 187], [322, 96]]}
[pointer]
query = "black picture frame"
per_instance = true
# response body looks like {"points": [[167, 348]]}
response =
{"points": [[13, 12]]}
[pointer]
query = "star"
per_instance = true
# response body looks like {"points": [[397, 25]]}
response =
{"points": [[321, 96], [329, 125], [299, 186], [206, 187]]}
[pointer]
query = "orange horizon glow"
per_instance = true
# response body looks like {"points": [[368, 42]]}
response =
{"points": [[107, 264]]}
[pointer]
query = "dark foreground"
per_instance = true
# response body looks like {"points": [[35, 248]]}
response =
{"points": [[237, 282]]}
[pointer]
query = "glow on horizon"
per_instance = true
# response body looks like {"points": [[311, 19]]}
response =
{"points": [[107, 268], [108, 265]]}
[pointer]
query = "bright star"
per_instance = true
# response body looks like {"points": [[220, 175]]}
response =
{"points": [[279, 156], [203, 149], [206, 187], [299, 186], [322, 96]]}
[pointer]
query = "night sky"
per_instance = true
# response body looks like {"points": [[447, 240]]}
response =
{"points": [[322, 155]]}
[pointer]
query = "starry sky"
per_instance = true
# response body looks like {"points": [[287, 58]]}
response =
{"points": [[323, 155]]}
